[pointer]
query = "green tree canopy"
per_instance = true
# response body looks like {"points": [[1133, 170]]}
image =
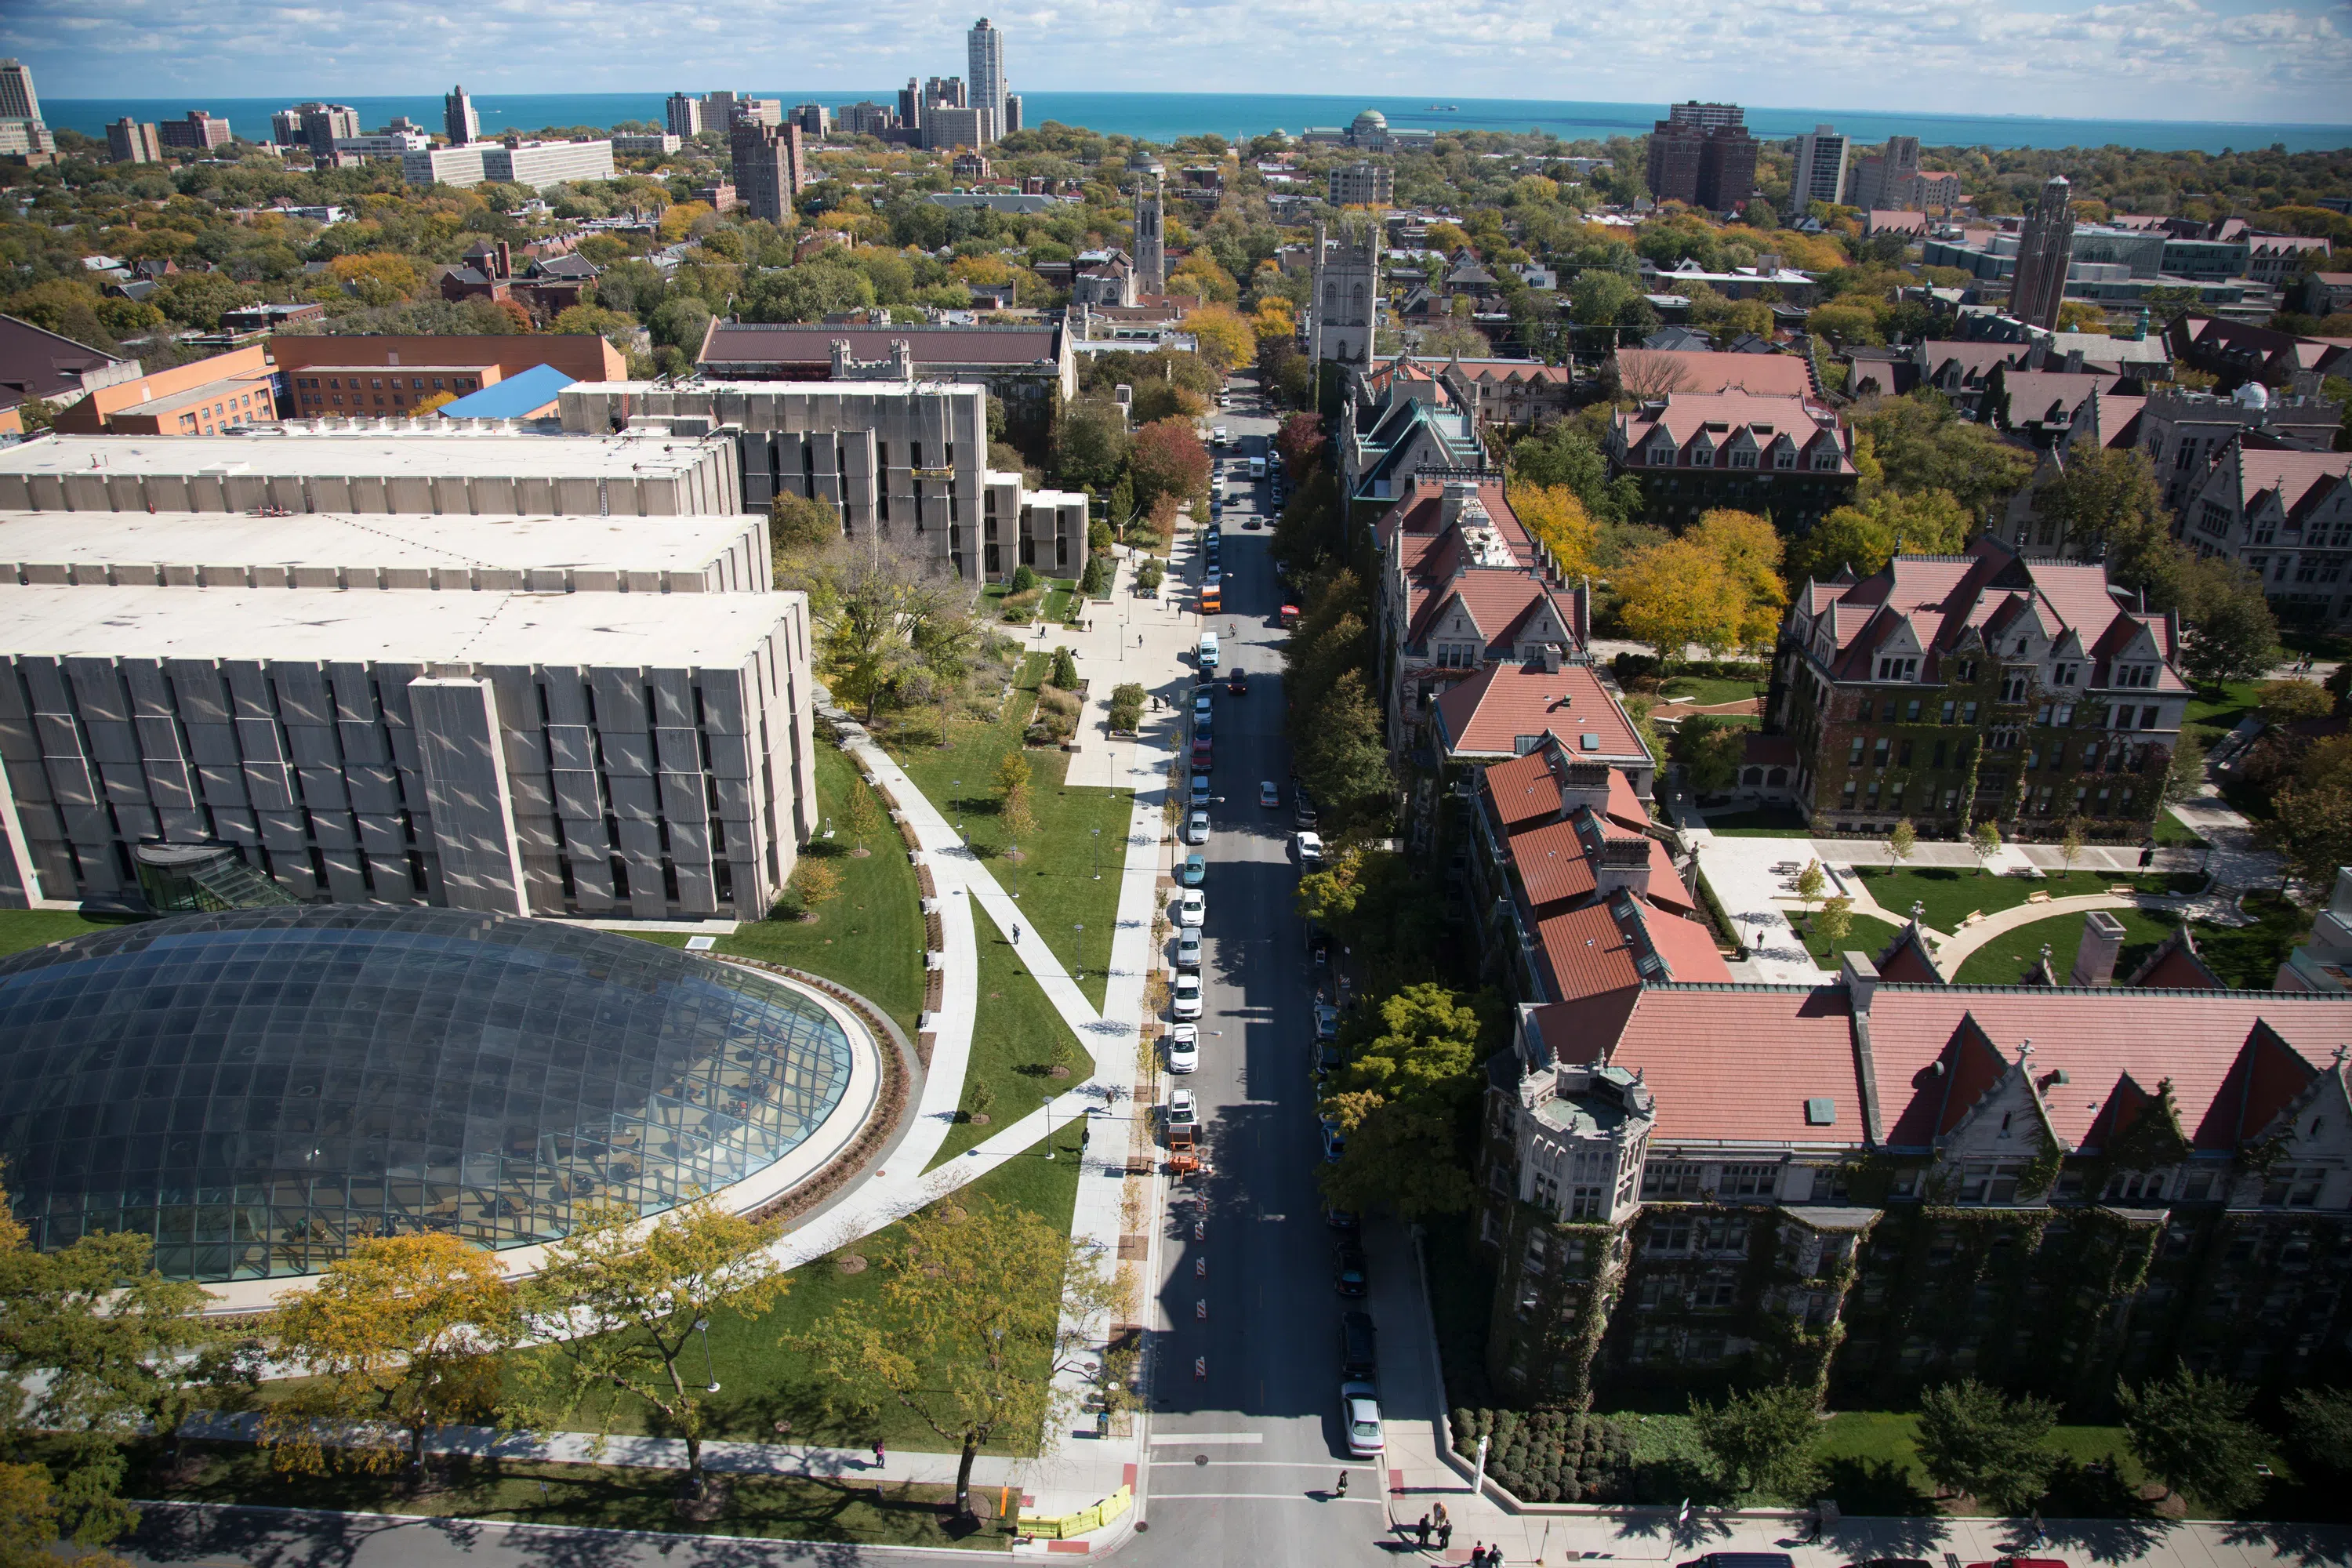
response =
{"points": [[1762, 1439], [1977, 1440], [2191, 1432]]}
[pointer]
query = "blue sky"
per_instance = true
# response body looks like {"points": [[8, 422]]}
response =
{"points": [[2267, 61]]}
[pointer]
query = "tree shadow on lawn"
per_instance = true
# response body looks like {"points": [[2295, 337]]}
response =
{"points": [[1878, 1489]]}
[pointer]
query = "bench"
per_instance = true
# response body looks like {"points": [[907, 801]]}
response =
{"points": [[2040, 898], [2121, 890]]}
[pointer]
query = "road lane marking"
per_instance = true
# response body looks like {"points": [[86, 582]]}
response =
{"points": [[1173, 1439]]}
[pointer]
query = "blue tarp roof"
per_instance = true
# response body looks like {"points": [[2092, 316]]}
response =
{"points": [[516, 397]]}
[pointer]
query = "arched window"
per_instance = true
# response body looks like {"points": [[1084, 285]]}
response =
{"points": [[1357, 314], [1330, 298]]}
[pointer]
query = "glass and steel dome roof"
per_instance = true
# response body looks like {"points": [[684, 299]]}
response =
{"points": [[258, 1089]]}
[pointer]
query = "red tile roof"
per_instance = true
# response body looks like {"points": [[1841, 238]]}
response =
{"points": [[2095, 1037], [1484, 715], [1588, 953], [1553, 867], [2300, 481], [1624, 806], [1524, 790], [1724, 418], [1727, 1063], [1654, 373]]}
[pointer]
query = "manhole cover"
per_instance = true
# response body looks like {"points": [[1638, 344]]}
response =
{"points": [[1199, 1458]]}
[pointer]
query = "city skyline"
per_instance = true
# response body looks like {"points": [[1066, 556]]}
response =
{"points": [[2159, 59]]}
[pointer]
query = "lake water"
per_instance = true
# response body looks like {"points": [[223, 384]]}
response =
{"points": [[1164, 116]]}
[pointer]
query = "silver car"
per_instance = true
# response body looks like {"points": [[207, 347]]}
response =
{"points": [[1196, 828], [1187, 948]]}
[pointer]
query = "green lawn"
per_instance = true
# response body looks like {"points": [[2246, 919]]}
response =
{"points": [[21, 929], [1705, 690], [2001, 960], [2215, 710], [2248, 957], [870, 937], [1950, 893], [1869, 935], [1759, 822], [846, 1511], [2171, 833], [1069, 872], [763, 1383], [1017, 1039], [1870, 1463]]}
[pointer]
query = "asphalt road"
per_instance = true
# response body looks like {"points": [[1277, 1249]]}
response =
{"points": [[1246, 1445]]}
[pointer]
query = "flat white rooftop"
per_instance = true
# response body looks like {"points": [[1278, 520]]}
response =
{"points": [[424, 453], [844, 388], [339, 540], [652, 630]]}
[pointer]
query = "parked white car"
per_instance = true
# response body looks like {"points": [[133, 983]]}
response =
{"points": [[1183, 1047], [1187, 997], [1310, 848], [1196, 829], [1189, 908], [1359, 1412], [1187, 948]]}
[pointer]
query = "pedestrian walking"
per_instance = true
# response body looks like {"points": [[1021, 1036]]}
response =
{"points": [[1016, 935], [2039, 1534], [1444, 1518], [880, 1457], [1343, 1483], [1421, 1532], [1444, 1534]]}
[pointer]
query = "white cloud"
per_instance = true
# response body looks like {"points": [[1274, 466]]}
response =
{"points": [[2264, 60]]}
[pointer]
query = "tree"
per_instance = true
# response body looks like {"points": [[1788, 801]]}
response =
{"points": [[1557, 519], [1976, 1440], [2229, 631], [1012, 800], [1301, 442], [1397, 1099], [630, 1298], [1065, 675], [1565, 456], [1811, 883], [1677, 594], [2321, 1421], [1710, 751], [982, 1307], [882, 617], [2285, 702], [2310, 826], [1762, 1438], [2070, 848], [796, 523], [400, 1337], [2184, 774], [1834, 924], [1920, 444], [2191, 1432], [377, 276], [1865, 537], [1750, 549], [1984, 843], [1345, 761], [1226, 339], [1090, 443], [1167, 459], [1902, 841], [865, 811], [2102, 489]]}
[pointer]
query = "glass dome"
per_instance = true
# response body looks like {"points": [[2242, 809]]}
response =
{"points": [[258, 1089]]}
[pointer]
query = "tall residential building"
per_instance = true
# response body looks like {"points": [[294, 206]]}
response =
{"points": [[129, 142], [1010, 120], [769, 170], [947, 125], [1701, 154], [1151, 241], [2044, 254], [945, 89], [1362, 183], [758, 110], [813, 119], [17, 99], [317, 126], [198, 129], [865, 118], [910, 105], [986, 53], [1821, 169], [685, 115], [459, 117]]}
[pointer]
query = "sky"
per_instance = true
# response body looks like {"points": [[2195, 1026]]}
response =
{"points": [[2263, 60]]}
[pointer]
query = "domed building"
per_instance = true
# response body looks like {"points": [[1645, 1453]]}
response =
{"points": [[257, 1090], [1368, 125]]}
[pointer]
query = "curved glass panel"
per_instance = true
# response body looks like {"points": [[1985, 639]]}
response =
{"points": [[257, 1089]]}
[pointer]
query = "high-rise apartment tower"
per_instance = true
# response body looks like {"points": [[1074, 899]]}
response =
{"points": [[17, 99], [770, 172], [1821, 170], [458, 117], [987, 64]]}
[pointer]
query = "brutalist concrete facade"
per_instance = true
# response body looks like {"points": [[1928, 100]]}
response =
{"points": [[406, 467], [907, 457], [642, 756]]}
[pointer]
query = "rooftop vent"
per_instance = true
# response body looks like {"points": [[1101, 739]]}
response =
{"points": [[1821, 1112], [1589, 741]]}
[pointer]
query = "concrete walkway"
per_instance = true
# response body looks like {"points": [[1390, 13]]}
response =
{"points": [[1951, 951]]}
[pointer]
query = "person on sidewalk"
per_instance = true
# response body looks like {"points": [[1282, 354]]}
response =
{"points": [[1343, 1483], [879, 1455], [1421, 1533], [1444, 1534]]}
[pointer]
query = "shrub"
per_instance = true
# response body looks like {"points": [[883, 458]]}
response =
{"points": [[818, 882], [1022, 580], [1547, 1455], [1065, 670]]}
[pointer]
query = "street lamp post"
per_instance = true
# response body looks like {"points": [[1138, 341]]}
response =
{"points": [[1046, 1104], [1097, 854], [1077, 962], [702, 1327]]}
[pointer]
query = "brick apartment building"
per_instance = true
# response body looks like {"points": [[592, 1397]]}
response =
{"points": [[1702, 155], [389, 376], [1952, 690]]}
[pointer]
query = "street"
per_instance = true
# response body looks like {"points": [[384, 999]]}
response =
{"points": [[1246, 1449]]}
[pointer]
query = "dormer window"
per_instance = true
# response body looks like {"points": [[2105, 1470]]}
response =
{"points": [[1702, 456], [1784, 456], [1825, 457], [1895, 668], [1744, 458]]}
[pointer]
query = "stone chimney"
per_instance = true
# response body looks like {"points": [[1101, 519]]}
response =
{"points": [[1550, 657], [1457, 492], [1623, 863], [2103, 941]]}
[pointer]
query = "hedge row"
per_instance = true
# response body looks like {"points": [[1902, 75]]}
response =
{"points": [[1550, 1456]]}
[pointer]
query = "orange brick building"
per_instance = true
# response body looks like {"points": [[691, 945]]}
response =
{"points": [[368, 377]]}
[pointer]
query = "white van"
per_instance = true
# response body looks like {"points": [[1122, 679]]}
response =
{"points": [[1258, 467], [1208, 652]]}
